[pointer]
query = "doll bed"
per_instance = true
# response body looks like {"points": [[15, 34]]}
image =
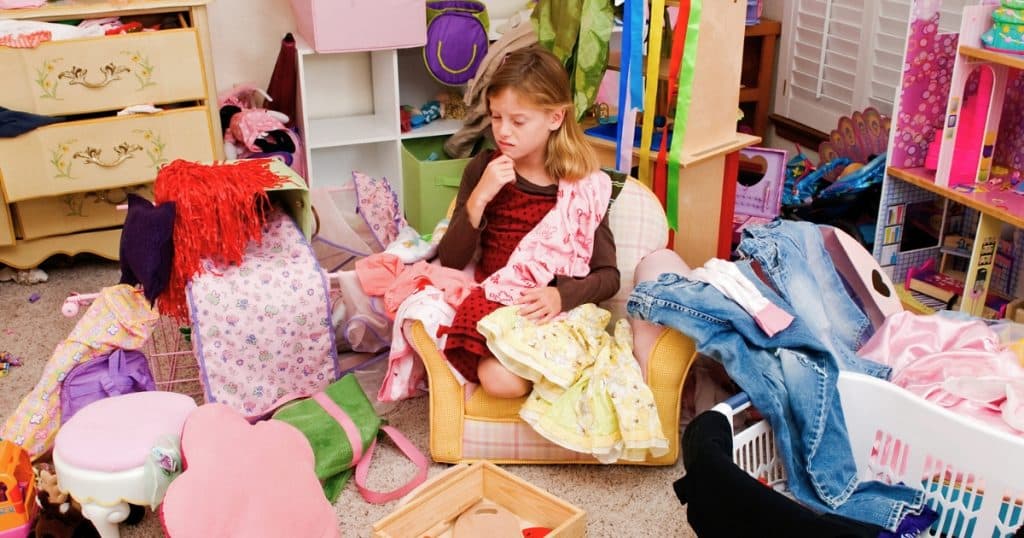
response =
{"points": [[970, 473], [172, 359], [484, 427]]}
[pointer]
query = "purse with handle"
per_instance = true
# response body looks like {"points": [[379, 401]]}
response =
{"points": [[119, 372], [342, 427]]}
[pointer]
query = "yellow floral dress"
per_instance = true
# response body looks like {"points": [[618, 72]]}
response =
{"points": [[588, 394]]}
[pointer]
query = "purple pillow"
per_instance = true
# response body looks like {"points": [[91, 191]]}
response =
{"points": [[147, 247]]}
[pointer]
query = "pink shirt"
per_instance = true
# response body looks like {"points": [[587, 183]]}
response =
{"points": [[561, 243]]}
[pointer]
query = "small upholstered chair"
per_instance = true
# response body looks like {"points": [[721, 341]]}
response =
{"points": [[485, 427], [104, 454]]}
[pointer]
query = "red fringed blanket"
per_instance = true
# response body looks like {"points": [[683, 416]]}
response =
{"points": [[220, 208]]}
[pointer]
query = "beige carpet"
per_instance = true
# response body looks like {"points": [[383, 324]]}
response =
{"points": [[619, 500]]}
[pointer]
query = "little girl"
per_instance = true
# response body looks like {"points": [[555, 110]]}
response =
{"points": [[505, 193]]}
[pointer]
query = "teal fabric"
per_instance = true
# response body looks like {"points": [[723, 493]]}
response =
{"points": [[1006, 15], [330, 444], [1005, 38], [577, 32]]}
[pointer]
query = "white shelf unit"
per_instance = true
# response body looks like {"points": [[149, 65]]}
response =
{"points": [[348, 111], [417, 86], [348, 116]]}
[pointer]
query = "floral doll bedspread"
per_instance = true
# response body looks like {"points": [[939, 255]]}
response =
{"points": [[262, 329]]}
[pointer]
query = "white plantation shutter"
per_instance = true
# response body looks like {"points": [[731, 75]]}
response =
{"points": [[818, 68], [863, 44], [889, 41]]}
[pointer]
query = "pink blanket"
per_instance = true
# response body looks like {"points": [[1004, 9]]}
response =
{"points": [[957, 364]]}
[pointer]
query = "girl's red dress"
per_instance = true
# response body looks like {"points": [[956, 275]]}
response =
{"points": [[509, 217]]}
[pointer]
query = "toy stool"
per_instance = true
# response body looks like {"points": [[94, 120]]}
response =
{"points": [[102, 455]]}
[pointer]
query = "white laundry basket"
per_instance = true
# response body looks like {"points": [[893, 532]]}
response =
{"points": [[972, 474]]}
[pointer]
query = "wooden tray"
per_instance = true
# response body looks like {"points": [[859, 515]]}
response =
{"points": [[431, 510]]}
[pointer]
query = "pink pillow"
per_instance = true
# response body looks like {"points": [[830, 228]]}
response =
{"points": [[245, 480]]}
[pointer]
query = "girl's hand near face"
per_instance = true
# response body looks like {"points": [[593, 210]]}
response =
{"points": [[540, 305], [499, 172]]}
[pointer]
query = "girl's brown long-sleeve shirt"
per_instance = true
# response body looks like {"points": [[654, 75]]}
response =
{"points": [[460, 242]]}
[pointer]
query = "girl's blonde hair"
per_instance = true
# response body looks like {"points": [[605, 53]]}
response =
{"points": [[536, 75]]}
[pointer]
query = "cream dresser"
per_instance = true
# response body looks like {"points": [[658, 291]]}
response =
{"points": [[60, 184]]}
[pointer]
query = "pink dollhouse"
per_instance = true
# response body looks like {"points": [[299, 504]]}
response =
{"points": [[956, 155]]}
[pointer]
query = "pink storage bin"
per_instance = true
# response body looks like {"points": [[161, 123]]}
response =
{"points": [[354, 25]]}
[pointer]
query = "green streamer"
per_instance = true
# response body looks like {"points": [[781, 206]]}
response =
{"points": [[685, 95]]}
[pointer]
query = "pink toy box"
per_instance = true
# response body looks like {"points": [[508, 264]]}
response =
{"points": [[355, 25], [759, 192]]}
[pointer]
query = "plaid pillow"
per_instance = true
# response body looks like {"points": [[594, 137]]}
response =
{"points": [[638, 224]]}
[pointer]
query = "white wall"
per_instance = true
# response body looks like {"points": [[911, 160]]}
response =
{"points": [[245, 37], [772, 9]]}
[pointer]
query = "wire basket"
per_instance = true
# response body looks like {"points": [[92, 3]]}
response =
{"points": [[172, 361], [168, 350], [970, 473]]}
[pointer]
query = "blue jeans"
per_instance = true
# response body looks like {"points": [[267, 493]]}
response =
{"points": [[793, 257], [791, 379]]}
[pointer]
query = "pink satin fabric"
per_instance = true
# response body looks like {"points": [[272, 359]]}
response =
{"points": [[957, 364]]}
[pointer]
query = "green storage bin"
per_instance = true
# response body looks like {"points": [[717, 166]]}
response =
{"points": [[429, 186]]}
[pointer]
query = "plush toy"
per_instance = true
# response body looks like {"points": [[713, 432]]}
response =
{"points": [[60, 516], [57, 520], [405, 119], [249, 128], [452, 105], [430, 111]]}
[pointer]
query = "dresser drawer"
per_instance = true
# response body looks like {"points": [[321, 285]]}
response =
{"points": [[94, 155], [103, 73], [69, 213]]}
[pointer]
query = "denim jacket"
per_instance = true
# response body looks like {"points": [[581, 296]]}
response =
{"points": [[791, 379], [793, 257]]}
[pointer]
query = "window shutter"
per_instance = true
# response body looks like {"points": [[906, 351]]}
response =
{"points": [[862, 60], [889, 41], [819, 84]]}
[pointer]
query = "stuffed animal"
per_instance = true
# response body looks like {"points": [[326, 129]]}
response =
{"points": [[60, 516], [430, 111], [452, 105], [59, 520], [250, 128]]}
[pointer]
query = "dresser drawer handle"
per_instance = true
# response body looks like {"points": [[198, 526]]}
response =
{"points": [[76, 75], [123, 151]]}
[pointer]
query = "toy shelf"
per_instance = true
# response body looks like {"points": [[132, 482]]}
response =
{"points": [[986, 55], [347, 130], [1006, 206], [434, 128]]}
